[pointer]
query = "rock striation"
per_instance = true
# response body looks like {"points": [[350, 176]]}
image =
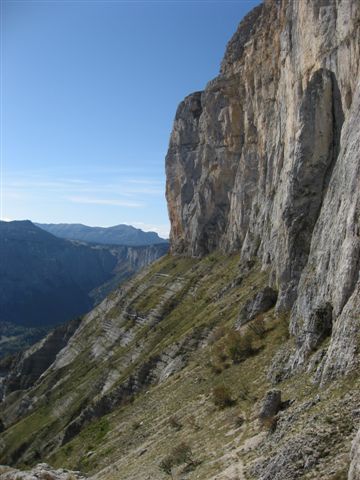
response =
{"points": [[265, 161], [24, 368], [42, 471], [354, 471]]}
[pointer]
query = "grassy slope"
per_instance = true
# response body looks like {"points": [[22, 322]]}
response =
{"points": [[175, 299]]}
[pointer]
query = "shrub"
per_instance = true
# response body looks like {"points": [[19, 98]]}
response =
{"points": [[136, 424], [238, 346], [239, 421], [180, 454], [174, 423], [222, 397], [216, 368], [166, 464], [258, 327]]}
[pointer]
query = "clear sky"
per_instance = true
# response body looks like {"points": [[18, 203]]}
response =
{"points": [[89, 90]]}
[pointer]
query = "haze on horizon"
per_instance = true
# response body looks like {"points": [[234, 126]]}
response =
{"points": [[89, 93]]}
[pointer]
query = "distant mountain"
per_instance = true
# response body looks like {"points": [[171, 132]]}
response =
{"points": [[46, 280], [117, 235]]}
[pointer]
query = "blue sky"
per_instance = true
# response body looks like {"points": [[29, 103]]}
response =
{"points": [[89, 90]]}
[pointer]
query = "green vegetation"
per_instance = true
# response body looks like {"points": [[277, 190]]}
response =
{"points": [[180, 454], [222, 396], [239, 346]]}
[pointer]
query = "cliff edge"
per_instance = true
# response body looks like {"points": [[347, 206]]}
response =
{"points": [[265, 161]]}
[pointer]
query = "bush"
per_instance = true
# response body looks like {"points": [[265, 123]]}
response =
{"points": [[216, 368], [174, 423], [239, 347], [136, 424], [258, 327], [180, 454], [239, 421], [166, 464], [223, 397]]}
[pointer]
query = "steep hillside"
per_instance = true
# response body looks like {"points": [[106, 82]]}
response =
{"points": [[45, 280], [117, 235], [139, 375], [235, 357]]}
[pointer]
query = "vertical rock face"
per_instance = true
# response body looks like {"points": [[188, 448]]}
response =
{"points": [[266, 161], [354, 471]]}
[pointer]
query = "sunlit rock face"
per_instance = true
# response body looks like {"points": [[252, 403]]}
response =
{"points": [[266, 161]]}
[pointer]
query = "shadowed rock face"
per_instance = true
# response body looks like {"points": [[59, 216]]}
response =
{"points": [[271, 404], [260, 303], [266, 161], [26, 367]]}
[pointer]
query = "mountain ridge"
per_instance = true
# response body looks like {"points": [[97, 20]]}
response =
{"points": [[116, 235], [46, 280]]}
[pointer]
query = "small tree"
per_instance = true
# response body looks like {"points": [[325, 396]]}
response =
{"points": [[239, 346], [166, 465], [223, 397], [174, 423], [180, 454], [258, 327]]}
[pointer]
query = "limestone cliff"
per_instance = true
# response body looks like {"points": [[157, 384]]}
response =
{"points": [[266, 161]]}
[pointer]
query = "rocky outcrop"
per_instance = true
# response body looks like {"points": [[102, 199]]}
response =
{"points": [[260, 303], [330, 281], [42, 471], [266, 161], [24, 368], [271, 404], [354, 471]]}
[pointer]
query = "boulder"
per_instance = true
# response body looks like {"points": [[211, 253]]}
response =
{"points": [[260, 303], [354, 470], [271, 404]]}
